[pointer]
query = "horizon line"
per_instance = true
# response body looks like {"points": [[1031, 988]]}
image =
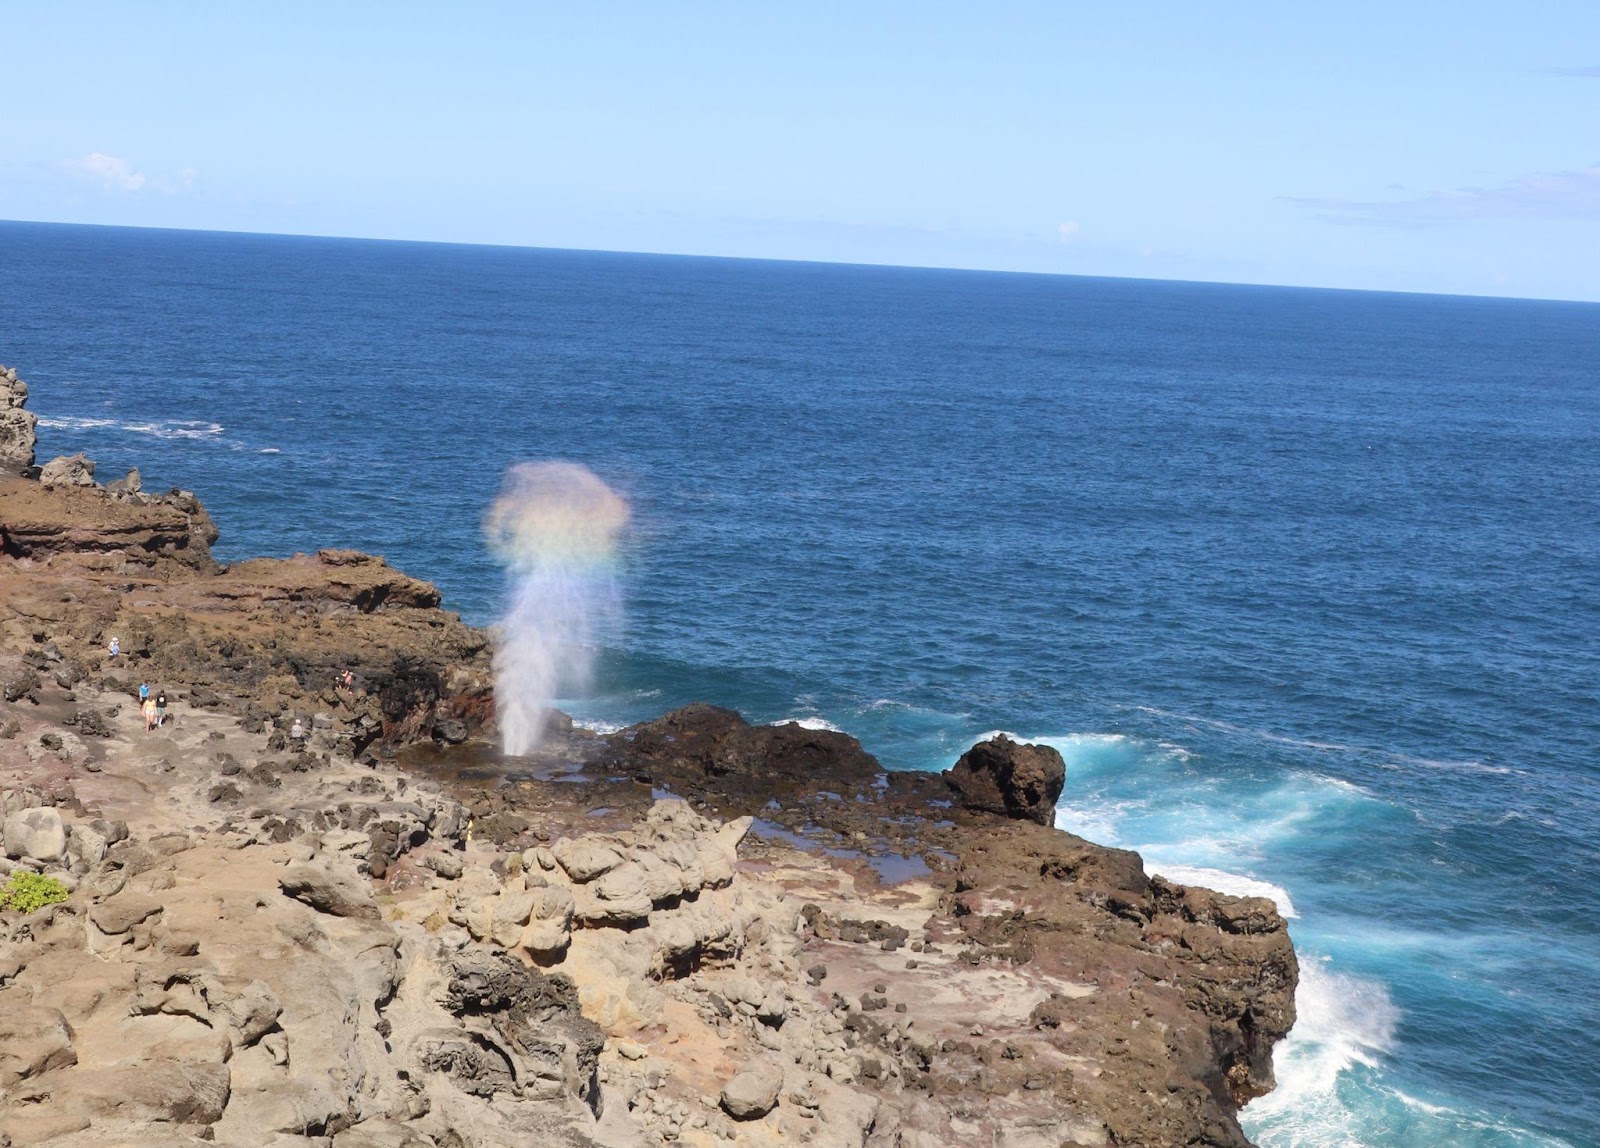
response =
{"points": [[804, 262]]}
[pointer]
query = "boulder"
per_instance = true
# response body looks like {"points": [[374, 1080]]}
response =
{"points": [[36, 833], [511, 911], [753, 1093], [549, 927], [584, 860], [447, 865], [87, 844], [21, 686], [17, 436], [540, 1026], [126, 486], [618, 897], [68, 470], [336, 894], [17, 439], [1002, 776]]}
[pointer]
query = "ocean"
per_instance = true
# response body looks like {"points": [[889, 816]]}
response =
{"points": [[1303, 584]]}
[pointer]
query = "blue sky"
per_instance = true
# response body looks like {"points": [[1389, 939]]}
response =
{"points": [[1447, 147]]}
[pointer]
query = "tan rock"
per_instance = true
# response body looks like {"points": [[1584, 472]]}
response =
{"points": [[35, 833], [32, 1040], [618, 897], [165, 1091], [584, 859], [752, 1093], [549, 927], [118, 914], [510, 913], [663, 880]]}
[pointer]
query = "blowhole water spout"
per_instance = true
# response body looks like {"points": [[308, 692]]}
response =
{"points": [[555, 527]]}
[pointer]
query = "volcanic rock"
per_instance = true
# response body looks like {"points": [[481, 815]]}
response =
{"points": [[126, 487], [707, 750], [17, 435], [336, 894], [1007, 777], [68, 470], [753, 1093]]}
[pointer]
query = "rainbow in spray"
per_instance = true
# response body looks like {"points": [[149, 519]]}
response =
{"points": [[555, 527]]}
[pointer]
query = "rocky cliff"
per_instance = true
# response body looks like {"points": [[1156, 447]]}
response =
{"points": [[695, 931]]}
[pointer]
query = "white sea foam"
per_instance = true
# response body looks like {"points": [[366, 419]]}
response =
{"points": [[1455, 1119], [158, 428], [174, 430], [64, 422], [269, 450], [1343, 1021], [1196, 827], [1451, 766], [1336, 783], [1234, 884], [1388, 758], [1098, 824], [810, 723], [600, 727]]}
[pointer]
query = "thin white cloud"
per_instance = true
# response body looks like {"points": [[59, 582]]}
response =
{"points": [[1068, 231], [1582, 73], [111, 172], [1544, 195], [180, 184]]}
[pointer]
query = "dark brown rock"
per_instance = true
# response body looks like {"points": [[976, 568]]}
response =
{"points": [[707, 750], [1010, 778]]}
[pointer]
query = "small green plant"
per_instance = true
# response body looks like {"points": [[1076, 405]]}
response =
{"points": [[26, 892]]}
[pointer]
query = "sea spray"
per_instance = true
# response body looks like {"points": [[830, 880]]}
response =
{"points": [[555, 526]]}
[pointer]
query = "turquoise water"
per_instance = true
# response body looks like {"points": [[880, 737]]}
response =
{"points": [[1301, 583]]}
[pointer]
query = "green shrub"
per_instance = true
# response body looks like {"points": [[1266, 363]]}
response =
{"points": [[26, 892]]}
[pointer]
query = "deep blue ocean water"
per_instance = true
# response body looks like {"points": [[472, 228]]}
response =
{"points": [[1302, 583]]}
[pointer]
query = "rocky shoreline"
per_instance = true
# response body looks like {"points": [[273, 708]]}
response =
{"points": [[693, 931]]}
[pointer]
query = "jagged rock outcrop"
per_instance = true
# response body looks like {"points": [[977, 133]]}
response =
{"points": [[1010, 778], [68, 470], [276, 634], [84, 526], [17, 434]]}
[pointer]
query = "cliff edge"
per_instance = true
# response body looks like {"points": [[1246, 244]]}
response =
{"points": [[382, 934]]}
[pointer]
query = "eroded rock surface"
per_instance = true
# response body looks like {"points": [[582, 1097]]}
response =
{"points": [[1011, 778], [17, 434]]}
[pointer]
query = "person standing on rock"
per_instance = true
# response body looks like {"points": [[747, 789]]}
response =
{"points": [[297, 735], [144, 692], [149, 708], [116, 647], [161, 708]]}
